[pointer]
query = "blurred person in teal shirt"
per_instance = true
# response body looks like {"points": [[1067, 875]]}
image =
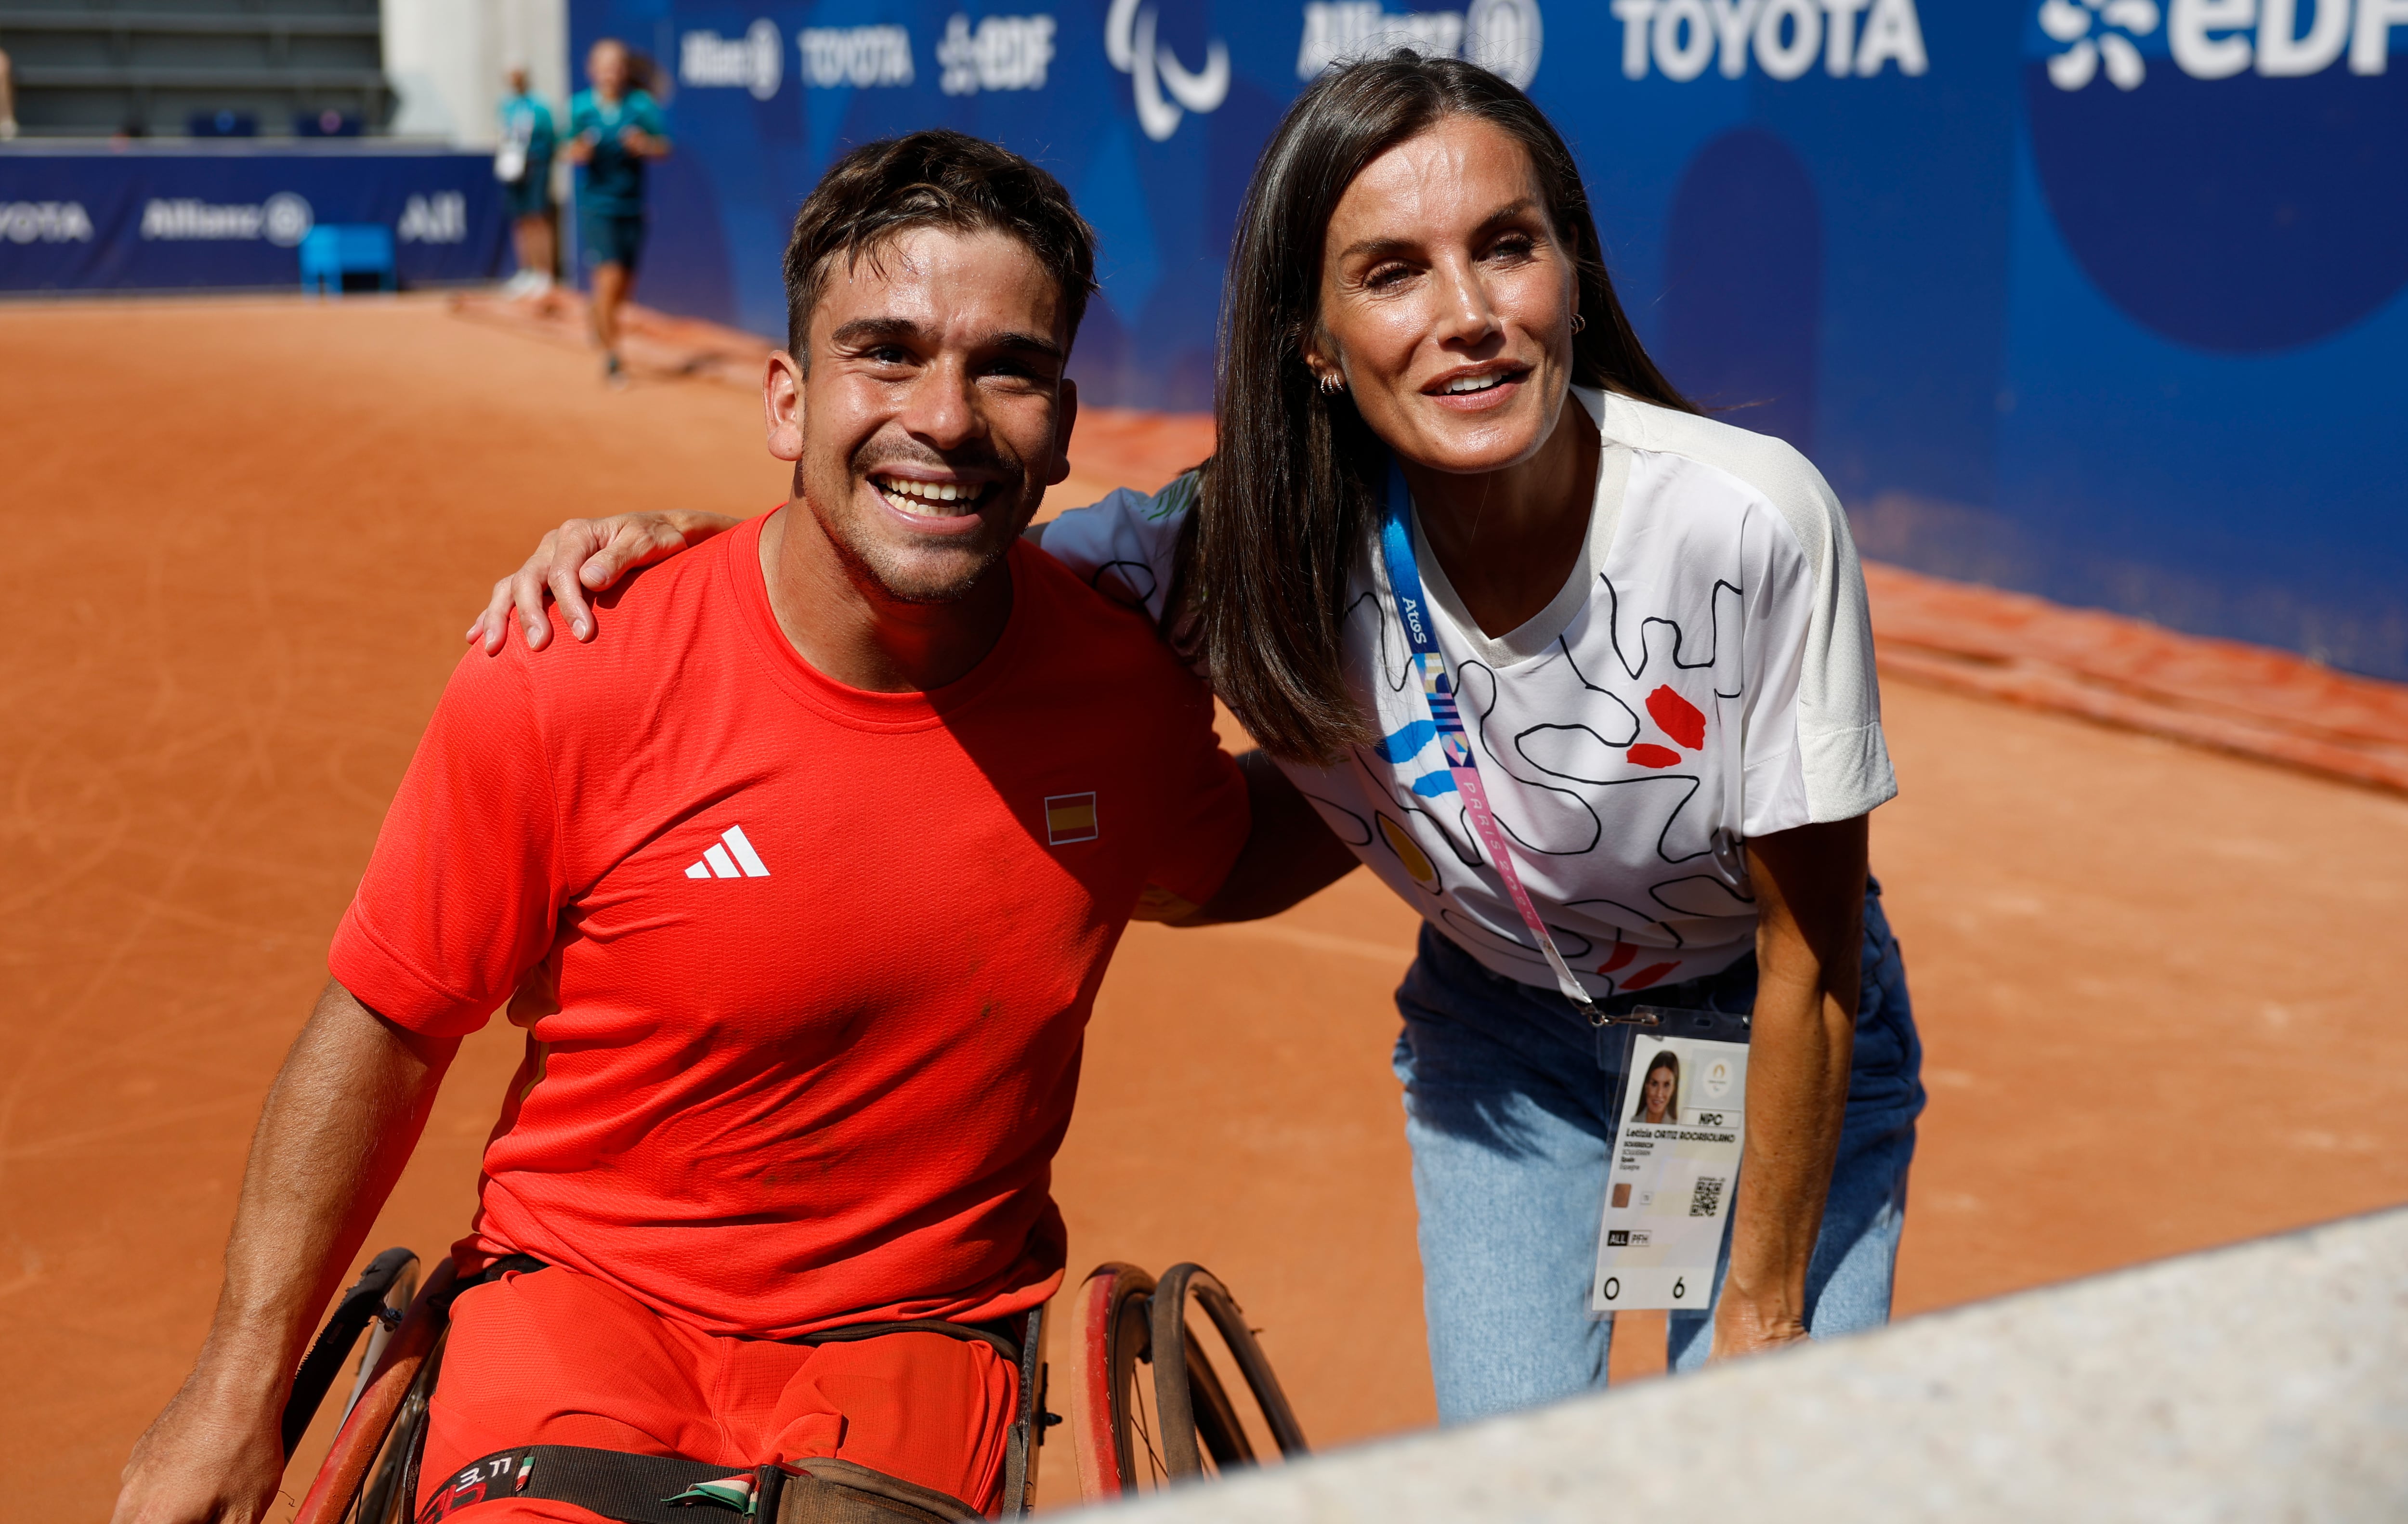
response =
{"points": [[612, 131], [524, 165]]}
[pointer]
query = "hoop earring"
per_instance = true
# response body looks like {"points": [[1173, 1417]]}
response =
{"points": [[1579, 323], [1332, 385]]}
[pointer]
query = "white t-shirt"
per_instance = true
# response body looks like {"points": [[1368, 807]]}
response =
{"points": [[1705, 675]]}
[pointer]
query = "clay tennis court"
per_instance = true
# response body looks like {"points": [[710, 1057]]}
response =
{"points": [[2158, 984]]}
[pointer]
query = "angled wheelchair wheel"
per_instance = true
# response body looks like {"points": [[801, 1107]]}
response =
{"points": [[392, 1491], [376, 1305], [1110, 1337], [1201, 1432], [374, 1459], [1149, 1406]]}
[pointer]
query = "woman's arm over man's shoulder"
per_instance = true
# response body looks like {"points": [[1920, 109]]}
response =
{"points": [[1120, 545], [1123, 545]]}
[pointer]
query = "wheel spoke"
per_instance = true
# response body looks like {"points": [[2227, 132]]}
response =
{"points": [[1141, 1395]]}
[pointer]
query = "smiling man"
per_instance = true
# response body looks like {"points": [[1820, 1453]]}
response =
{"points": [[801, 880]]}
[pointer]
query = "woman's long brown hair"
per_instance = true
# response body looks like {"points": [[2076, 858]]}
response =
{"points": [[1292, 495]]}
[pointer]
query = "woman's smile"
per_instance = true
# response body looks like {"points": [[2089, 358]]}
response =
{"points": [[1478, 389]]}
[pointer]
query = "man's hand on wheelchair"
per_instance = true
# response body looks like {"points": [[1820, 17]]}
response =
{"points": [[583, 555], [215, 1456]]}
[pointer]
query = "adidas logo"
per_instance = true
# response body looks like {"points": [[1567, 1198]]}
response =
{"points": [[730, 857]]}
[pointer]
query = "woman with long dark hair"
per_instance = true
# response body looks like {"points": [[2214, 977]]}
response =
{"points": [[1584, 675], [1660, 1091]]}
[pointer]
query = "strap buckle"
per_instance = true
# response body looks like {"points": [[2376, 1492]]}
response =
{"points": [[1643, 1017]]}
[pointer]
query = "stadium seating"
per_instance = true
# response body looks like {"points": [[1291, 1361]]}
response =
{"points": [[87, 68]]}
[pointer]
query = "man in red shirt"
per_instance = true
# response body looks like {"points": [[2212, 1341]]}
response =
{"points": [[801, 881]]}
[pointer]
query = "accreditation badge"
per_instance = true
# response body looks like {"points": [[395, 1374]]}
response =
{"points": [[1681, 1121]]}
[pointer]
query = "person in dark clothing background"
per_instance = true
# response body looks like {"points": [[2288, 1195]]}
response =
{"points": [[613, 130]]}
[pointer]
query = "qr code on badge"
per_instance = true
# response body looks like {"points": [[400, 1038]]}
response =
{"points": [[1708, 1198]]}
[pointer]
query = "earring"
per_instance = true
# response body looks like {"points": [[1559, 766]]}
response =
{"points": [[1332, 385], [1579, 323]]}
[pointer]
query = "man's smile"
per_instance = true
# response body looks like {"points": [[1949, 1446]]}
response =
{"points": [[931, 499]]}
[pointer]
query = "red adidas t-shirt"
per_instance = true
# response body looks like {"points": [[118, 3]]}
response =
{"points": [[805, 969]]}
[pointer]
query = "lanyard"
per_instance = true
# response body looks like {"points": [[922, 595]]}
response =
{"points": [[1438, 691]]}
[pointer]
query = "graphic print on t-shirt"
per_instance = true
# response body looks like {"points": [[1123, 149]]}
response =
{"points": [[1619, 727], [1704, 676]]}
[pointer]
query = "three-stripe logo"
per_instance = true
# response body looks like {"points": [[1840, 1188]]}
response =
{"points": [[730, 857]]}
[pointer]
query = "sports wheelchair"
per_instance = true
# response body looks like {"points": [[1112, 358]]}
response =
{"points": [[1148, 1409]]}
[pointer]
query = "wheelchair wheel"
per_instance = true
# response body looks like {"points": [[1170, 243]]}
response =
{"points": [[1199, 1427], [391, 1496], [365, 1446], [1147, 1406], [375, 1304], [1110, 1336]]}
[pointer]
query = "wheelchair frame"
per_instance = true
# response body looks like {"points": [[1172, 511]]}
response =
{"points": [[1121, 1317]]}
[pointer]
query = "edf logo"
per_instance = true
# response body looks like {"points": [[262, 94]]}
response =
{"points": [[2215, 39]]}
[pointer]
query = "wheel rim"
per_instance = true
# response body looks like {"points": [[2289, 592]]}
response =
{"points": [[1104, 1350], [1137, 1432], [1212, 1409]]}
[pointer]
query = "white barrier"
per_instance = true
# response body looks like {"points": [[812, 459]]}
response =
{"points": [[2267, 1381]]}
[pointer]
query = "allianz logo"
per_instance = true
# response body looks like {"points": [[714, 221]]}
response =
{"points": [[438, 219], [2215, 39], [755, 61], [45, 222], [282, 219], [1002, 53], [1505, 35], [1854, 38]]}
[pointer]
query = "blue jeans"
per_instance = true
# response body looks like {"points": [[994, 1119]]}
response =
{"points": [[1508, 1107]]}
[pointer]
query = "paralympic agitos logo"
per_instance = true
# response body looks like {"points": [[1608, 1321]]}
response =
{"points": [[1132, 46]]}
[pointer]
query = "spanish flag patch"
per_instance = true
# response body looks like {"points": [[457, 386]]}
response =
{"points": [[1068, 818]]}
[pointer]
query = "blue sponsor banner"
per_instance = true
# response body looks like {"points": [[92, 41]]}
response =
{"points": [[2100, 299], [88, 216]]}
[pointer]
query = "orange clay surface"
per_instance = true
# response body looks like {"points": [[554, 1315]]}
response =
{"points": [[2160, 986]]}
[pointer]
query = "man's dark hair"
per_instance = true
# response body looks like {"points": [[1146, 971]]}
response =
{"points": [[935, 179]]}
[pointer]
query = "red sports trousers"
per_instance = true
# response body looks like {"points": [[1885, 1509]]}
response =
{"points": [[556, 1358]]}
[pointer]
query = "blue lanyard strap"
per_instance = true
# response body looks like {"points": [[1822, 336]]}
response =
{"points": [[1455, 744]]}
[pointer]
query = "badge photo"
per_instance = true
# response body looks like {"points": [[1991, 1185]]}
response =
{"points": [[1680, 1130]]}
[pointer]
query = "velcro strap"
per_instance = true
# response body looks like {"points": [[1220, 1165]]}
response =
{"points": [[668, 1489], [633, 1488]]}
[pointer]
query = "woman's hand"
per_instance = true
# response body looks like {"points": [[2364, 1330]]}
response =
{"points": [[1810, 894], [1743, 1326], [587, 555]]}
